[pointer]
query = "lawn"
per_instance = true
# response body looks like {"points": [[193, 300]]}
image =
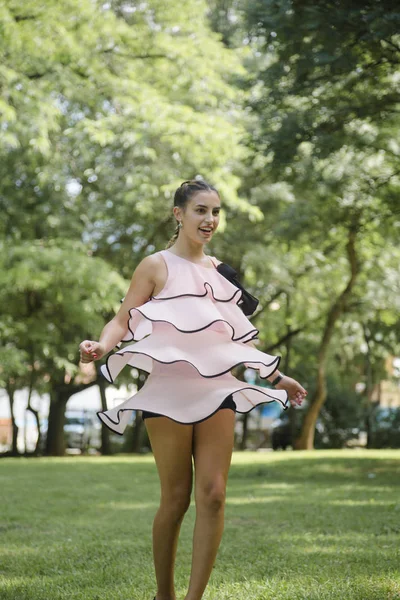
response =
{"points": [[299, 526]]}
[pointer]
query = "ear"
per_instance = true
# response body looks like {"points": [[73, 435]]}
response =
{"points": [[177, 213]]}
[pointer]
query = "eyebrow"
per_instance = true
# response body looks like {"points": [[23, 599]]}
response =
{"points": [[204, 206]]}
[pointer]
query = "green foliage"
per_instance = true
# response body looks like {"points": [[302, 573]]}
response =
{"points": [[290, 109], [101, 136], [52, 295], [324, 167], [343, 414], [104, 109], [328, 67]]}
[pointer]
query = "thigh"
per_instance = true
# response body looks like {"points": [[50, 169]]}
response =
{"points": [[212, 450], [171, 444]]}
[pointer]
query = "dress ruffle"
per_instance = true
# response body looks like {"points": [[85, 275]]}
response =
{"points": [[212, 353], [188, 338], [192, 402], [190, 315]]}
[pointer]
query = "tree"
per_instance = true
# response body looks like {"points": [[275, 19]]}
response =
{"points": [[52, 295], [95, 140], [319, 92]]}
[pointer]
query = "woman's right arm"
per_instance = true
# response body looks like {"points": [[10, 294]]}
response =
{"points": [[141, 288]]}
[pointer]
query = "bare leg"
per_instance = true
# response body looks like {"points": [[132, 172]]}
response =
{"points": [[212, 449], [172, 448]]}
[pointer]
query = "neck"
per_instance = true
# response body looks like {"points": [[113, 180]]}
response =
{"points": [[188, 249]]}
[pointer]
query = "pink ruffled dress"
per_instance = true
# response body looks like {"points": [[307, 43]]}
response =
{"points": [[188, 338]]}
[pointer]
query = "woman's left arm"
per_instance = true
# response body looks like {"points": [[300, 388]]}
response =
{"points": [[295, 390]]}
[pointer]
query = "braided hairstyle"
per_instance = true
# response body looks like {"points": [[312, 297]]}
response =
{"points": [[183, 194]]}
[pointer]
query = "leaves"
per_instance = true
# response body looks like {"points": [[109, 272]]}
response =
{"points": [[53, 295], [289, 109]]}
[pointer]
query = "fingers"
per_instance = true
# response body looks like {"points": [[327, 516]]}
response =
{"points": [[298, 398], [295, 402], [88, 351], [299, 388], [296, 392]]}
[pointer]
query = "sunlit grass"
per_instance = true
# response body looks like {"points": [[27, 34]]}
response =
{"points": [[299, 526]]}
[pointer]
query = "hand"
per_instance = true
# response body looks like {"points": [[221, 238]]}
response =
{"points": [[90, 351], [296, 392]]}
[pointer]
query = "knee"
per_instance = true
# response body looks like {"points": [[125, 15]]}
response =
{"points": [[211, 495], [176, 501]]}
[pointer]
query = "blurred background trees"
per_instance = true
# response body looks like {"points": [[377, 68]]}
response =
{"points": [[289, 108]]}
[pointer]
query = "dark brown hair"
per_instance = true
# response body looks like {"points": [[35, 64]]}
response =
{"points": [[183, 194]]}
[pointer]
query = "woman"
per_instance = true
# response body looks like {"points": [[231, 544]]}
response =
{"points": [[190, 332]]}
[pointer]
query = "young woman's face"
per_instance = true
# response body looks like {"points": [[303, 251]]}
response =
{"points": [[200, 218]]}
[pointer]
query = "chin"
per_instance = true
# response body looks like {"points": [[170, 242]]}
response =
{"points": [[204, 241]]}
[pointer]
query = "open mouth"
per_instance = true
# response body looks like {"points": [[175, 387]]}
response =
{"points": [[206, 230]]}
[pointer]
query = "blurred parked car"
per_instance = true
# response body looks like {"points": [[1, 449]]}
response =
{"points": [[385, 427], [82, 430]]}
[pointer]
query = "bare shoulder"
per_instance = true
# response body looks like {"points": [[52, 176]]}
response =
{"points": [[151, 265], [147, 277], [154, 269]]}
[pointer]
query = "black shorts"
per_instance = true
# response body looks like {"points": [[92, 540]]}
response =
{"points": [[227, 403]]}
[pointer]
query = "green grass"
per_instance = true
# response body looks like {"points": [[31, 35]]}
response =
{"points": [[299, 526]]}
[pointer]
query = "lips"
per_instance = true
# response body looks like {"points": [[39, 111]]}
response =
{"points": [[206, 229]]}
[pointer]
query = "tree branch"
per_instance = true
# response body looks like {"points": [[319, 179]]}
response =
{"points": [[395, 46], [24, 18], [285, 338], [137, 56], [265, 306]]}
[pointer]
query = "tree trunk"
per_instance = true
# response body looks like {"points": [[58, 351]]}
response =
{"points": [[137, 433], [35, 413], [292, 415], [306, 439], [105, 432], [138, 427], [14, 445], [243, 441], [55, 442], [370, 409]]}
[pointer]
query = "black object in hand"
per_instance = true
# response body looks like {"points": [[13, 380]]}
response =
{"points": [[247, 303]]}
